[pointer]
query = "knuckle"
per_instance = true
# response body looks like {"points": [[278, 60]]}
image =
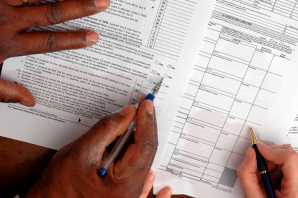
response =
{"points": [[271, 154], [149, 148], [7, 32], [141, 168], [76, 151], [120, 179], [292, 155], [54, 14], [148, 124], [85, 7], [289, 147], [240, 171], [107, 122], [51, 42], [5, 18], [89, 7]]}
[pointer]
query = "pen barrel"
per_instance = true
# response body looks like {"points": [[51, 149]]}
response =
{"points": [[268, 185], [262, 166], [150, 97], [121, 141]]}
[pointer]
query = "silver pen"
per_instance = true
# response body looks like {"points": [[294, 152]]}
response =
{"points": [[124, 138]]}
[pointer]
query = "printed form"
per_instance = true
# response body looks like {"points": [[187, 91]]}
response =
{"points": [[140, 42], [245, 76], [292, 137]]}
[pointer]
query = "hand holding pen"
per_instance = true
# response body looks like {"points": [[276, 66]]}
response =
{"points": [[126, 135], [282, 163], [72, 172]]}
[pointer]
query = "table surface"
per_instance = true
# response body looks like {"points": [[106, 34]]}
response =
{"points": [[23, 164]]}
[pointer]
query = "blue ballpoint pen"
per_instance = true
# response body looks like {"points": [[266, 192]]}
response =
{"points": [[124, 138], [262, 166]]}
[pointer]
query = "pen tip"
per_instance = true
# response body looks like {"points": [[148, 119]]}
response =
{"points": [[161, 80], [157, 87], [254, 138]]}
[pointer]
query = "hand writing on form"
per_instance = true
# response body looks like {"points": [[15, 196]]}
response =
{"points": [[282, 162], [15, 41], [73, 170]]}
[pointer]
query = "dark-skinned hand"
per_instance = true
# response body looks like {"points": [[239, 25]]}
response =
{"points": [[15, 41], [73, 170]]}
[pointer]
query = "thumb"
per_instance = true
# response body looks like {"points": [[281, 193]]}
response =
{"points": [[10, 92], [247, 175]]}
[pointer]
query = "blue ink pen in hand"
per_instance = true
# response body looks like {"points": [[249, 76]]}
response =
{"points": [[124, 138], [262, 167]]}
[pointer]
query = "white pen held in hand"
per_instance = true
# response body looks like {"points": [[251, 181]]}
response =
{"points": [[124, 138]]}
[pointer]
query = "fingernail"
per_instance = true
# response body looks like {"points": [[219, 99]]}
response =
{"points": [[169, 192], [249, 154], [126, 110], [102, 4], [27, 104], [150, 106], [151, 177], [261, 145], [91, 37]]}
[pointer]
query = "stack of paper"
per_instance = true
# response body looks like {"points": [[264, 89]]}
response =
{"points": [[241, 74], [245, 77]]}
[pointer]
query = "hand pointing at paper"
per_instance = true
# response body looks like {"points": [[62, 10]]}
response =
{"points": [[15, 41]]}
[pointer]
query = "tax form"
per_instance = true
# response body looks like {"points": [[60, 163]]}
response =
{"points": [[292, 137], [140, 41], [245, 76]]}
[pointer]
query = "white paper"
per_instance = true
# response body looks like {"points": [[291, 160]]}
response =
{"points": [[140, 41], [245, 77], [292, 137]]}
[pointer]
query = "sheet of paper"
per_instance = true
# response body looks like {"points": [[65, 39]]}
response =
{"points": [[140, 41], [292, 137], [246, 76]]}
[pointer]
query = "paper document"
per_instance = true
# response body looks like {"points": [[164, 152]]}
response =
{"points": [[139, 42], [245, 77], [292, 137]]}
